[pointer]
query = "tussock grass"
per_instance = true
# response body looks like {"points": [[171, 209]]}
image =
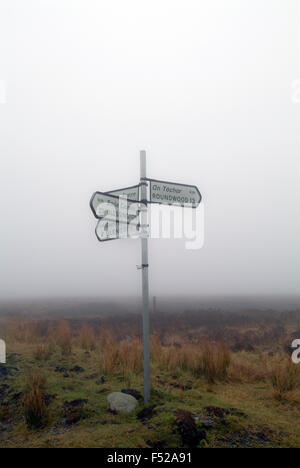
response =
{"points": [[87, 338], [121, 357], [284, 377], [64, 338], [187, 369], [214, 362], [35, 409], [210, 360]]}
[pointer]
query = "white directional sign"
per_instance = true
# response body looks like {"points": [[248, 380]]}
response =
{"points": [[170, 193], [122, 201], [132, 193], [107, 232], [110, 230]]}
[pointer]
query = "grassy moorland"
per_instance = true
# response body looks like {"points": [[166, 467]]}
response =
{"points": [[217, 381]]}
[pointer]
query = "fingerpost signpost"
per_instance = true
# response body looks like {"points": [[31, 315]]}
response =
{"points": [[111, 206]]}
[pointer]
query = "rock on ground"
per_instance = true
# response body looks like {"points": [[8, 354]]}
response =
{"points": [[131, 391], [121, 402]]}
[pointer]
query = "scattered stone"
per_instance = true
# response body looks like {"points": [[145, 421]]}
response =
{"points": [[146, 413], [186, 427], [121, 402], [135, 393]]}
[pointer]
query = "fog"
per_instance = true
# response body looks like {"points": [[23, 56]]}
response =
{"points": [[205, 87]]}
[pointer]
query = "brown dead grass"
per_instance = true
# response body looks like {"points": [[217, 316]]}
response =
{"points": [[284, 377], [215, 361], [64, 338], [247, 367], [87, 338], [124, 357], [176, 353], [44, 351], [210, 360], [35, 409]]}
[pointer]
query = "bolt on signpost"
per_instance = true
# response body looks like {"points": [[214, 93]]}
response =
{"points": [[166, 193]]}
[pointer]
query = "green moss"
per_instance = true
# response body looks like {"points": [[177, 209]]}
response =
{"points": [[99, 428]]}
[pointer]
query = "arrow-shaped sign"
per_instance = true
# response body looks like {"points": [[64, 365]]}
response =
{"points": [[110, 230], [170, 193], [132, 193], [121, 201]]}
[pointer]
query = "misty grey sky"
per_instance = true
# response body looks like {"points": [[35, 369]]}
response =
{"points": [[204, 86]]}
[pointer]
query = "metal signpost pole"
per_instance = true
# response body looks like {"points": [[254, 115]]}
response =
{"points": [[161, 192], [145, 279]]}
